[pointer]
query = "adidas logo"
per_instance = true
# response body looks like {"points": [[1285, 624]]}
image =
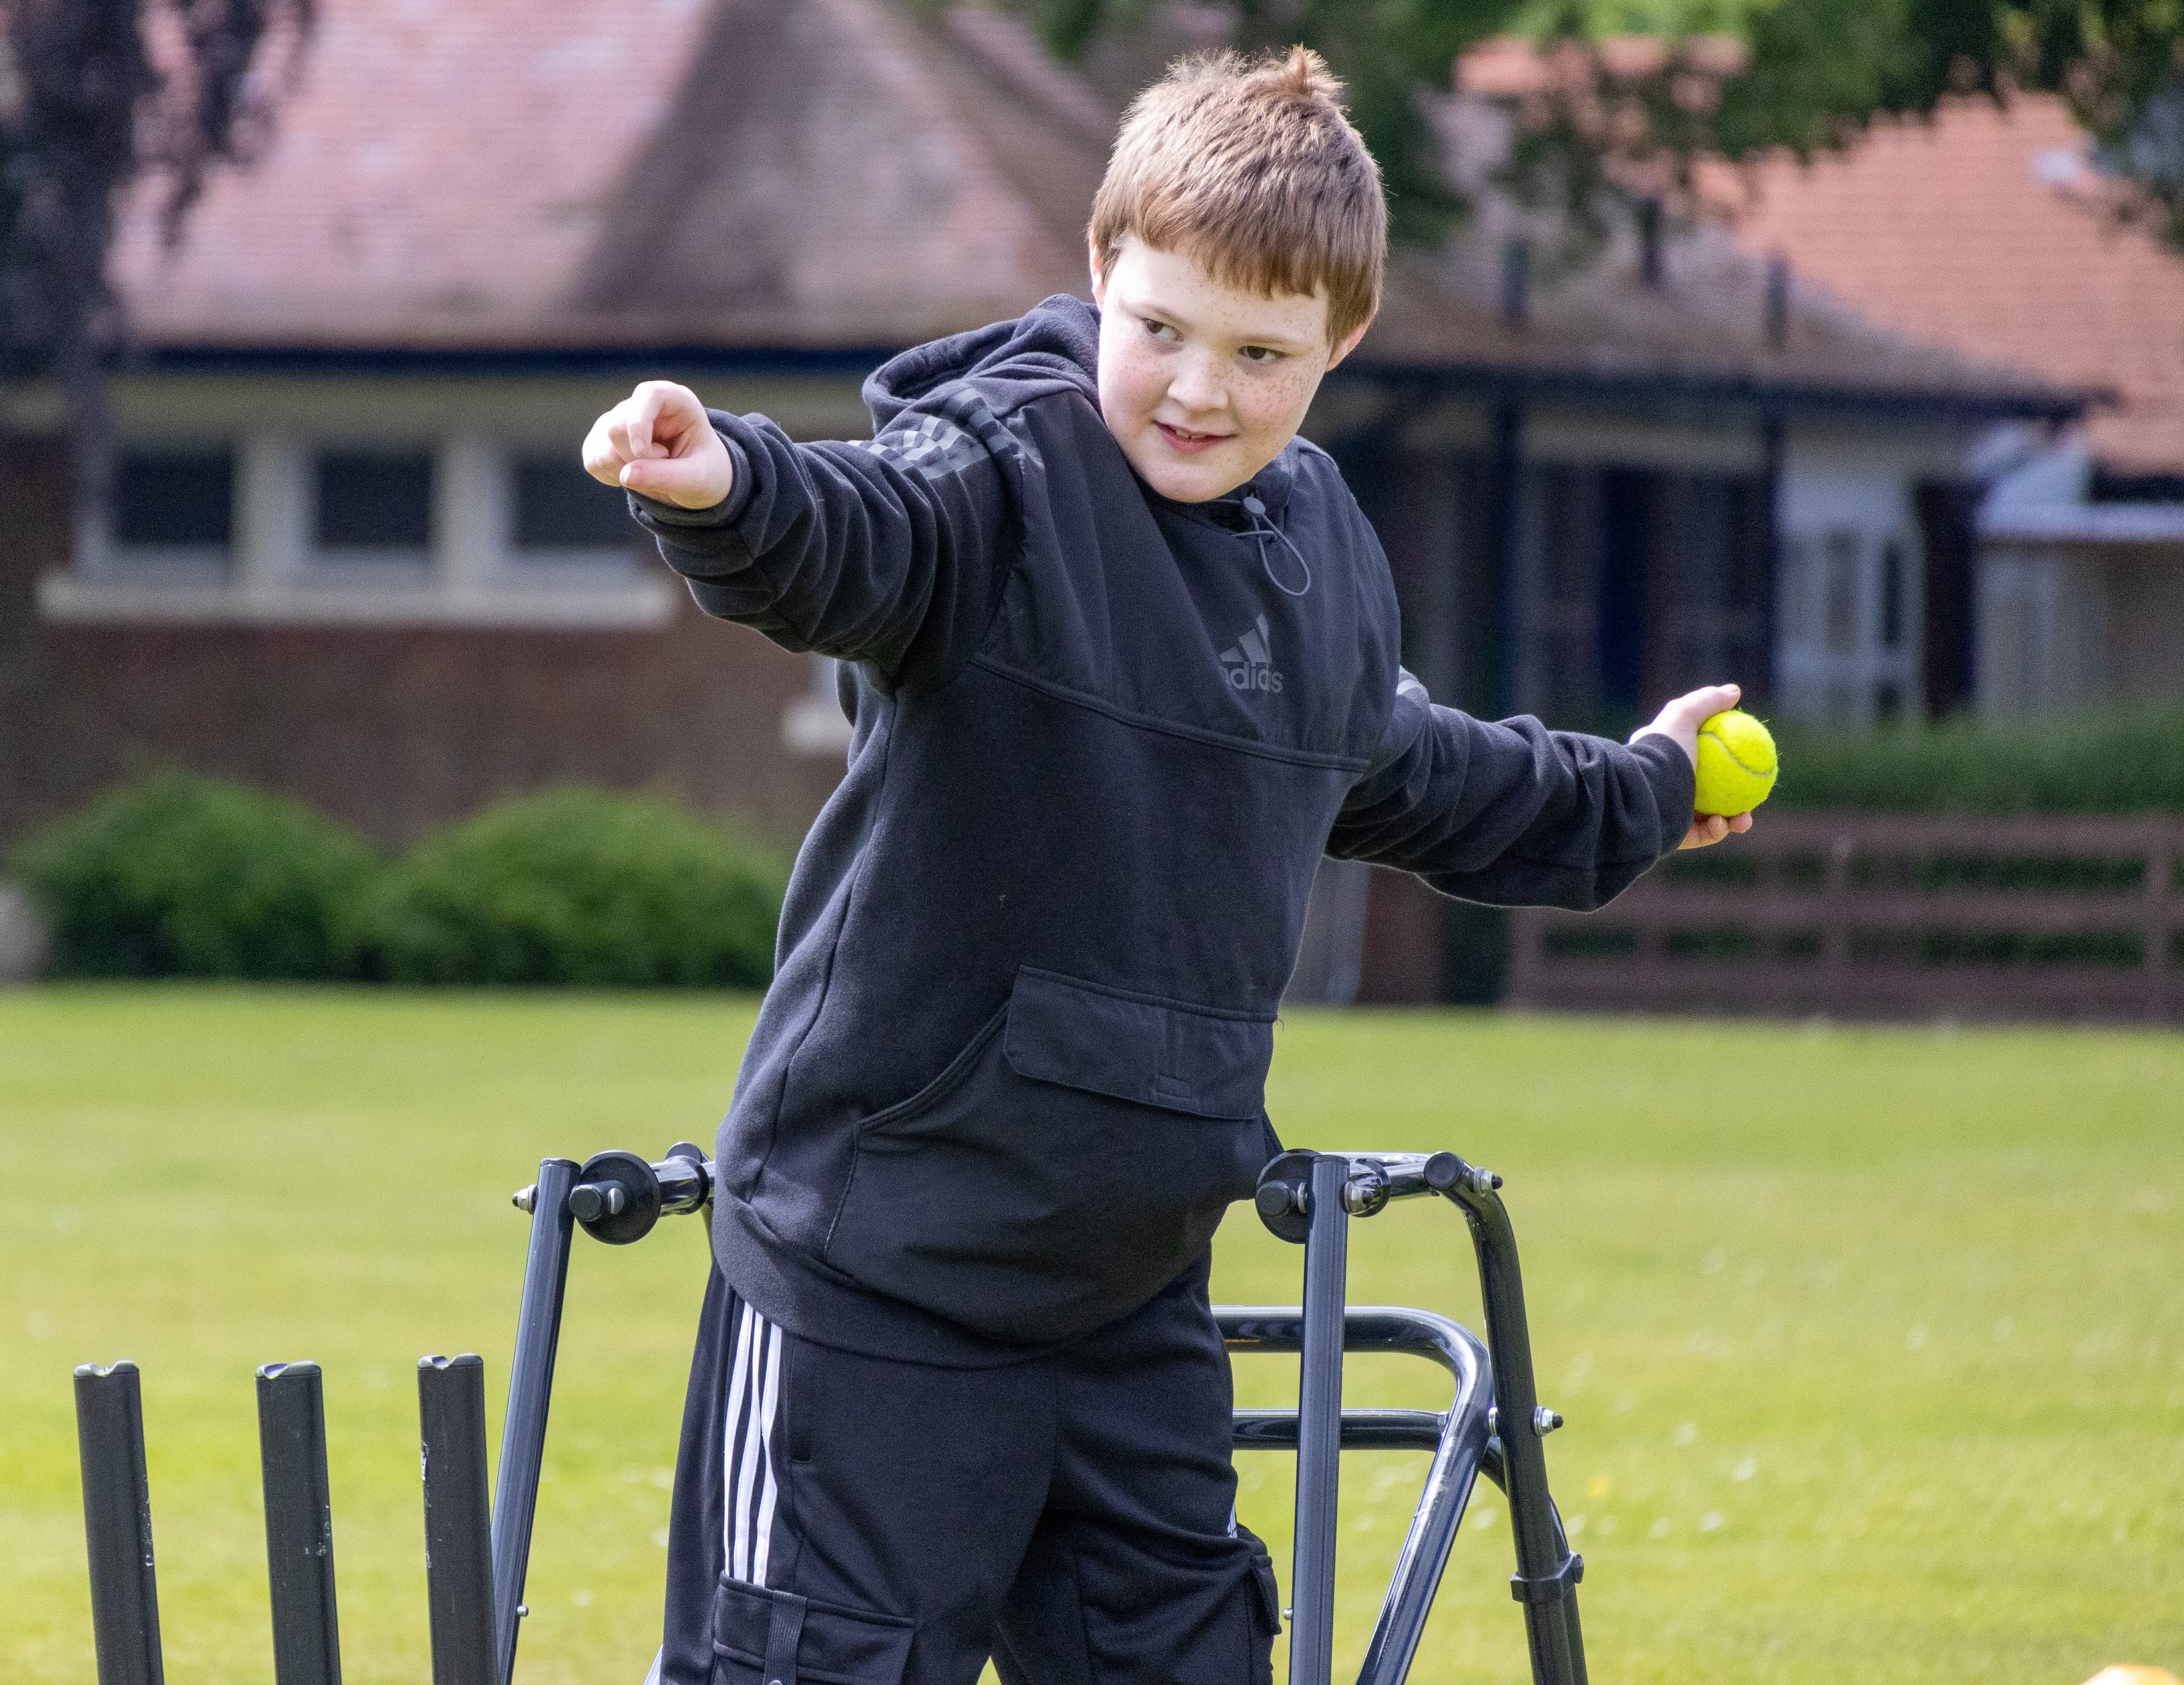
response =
{"points": [[1247, 663]]}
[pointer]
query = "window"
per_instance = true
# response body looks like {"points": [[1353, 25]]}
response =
{"points": [[1891, 595], [1634, 582], [1794, 612], [1717, 537], [560, 509], [1558, 591], [375, 501], [1842, 593], [1849, 626], [175, 499], [279, 527]]}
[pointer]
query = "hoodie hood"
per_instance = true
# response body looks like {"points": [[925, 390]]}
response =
{"points": [[1054, 345]]}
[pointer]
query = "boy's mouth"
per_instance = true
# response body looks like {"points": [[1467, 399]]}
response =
{"points": [[1186, 441]]}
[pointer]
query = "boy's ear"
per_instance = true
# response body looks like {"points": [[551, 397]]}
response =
{"points": [[1099, 276], [1350, 339]]}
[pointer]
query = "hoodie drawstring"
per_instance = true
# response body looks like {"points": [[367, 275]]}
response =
{"points": [[1263, 528]]}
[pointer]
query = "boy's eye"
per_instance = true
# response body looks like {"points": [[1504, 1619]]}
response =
{"points": [[1261, 354], [1158, 329]]}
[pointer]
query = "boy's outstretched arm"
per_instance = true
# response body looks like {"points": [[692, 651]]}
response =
{"points": [[890, 551], [1514, 814]]}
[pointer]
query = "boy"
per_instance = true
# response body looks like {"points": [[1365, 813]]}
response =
{"points": [[1121, 662]]}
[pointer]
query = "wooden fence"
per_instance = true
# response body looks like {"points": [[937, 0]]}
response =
{"points": [[1871, 915]]}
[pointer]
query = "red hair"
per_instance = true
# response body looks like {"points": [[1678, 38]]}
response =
{"points": [[1250, 169]]}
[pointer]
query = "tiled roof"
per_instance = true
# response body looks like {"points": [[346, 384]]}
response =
{"points": [[487, 173], [438, 176], [1704, 325], [535, 174], [1988, 231]]}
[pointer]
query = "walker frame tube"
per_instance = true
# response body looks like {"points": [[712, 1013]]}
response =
{"points": [[1319, 1429], [1294, 1201], [530, 1390], [1458, 1437]]}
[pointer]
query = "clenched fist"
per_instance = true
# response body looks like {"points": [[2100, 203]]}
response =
{"points": [[1680, 721], [658, 443]]}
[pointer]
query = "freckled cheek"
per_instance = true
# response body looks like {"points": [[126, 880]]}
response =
{"points": [[1277, 407], [1131, 386]]}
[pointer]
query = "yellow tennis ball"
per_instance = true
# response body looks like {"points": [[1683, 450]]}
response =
{"points": [[1736, 764]]}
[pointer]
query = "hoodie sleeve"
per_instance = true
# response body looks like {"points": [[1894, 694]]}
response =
{"points": [[1511, 813], [890, 551]]}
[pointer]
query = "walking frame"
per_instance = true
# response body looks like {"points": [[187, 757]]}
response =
{"points": [[1308, 1199], [477, 1556]]}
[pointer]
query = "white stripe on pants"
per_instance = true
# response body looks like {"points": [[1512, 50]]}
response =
{"points": [[751, 1490]]}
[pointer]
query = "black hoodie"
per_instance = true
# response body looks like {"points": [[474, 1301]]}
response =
{"points": [[1011, 1070]]}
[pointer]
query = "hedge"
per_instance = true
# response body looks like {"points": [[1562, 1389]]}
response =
{"points": [[183, 876], [180, 876], [2086, 764], [577, 886]]}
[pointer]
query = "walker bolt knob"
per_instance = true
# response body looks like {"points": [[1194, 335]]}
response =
{"points": [[525, 1199], [1545, 1421], [1283, 1198], [1484, 1181], [589, 1201]]}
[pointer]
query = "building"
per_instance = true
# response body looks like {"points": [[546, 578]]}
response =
{"points": [[1991, 230], [351, 557]]}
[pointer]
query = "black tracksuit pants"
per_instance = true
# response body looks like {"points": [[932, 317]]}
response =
{"points": [[856, 1521]]}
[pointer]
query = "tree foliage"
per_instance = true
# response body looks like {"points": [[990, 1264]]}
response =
{"points": [[95, 94], [1385, 50], [1823, 69], [1807, 75]]}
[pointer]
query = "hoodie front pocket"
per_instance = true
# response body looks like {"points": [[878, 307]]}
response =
{"points": [[1073, 1159]]}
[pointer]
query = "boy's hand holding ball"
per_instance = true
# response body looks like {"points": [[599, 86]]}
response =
{"points": [[1736, 764], [659, 443], [1732, 752]]}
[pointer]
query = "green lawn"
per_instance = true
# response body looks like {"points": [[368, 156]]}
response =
{"points": [[1871, 1342]]}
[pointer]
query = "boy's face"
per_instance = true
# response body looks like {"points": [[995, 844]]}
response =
{"points": [[1202, 383]]}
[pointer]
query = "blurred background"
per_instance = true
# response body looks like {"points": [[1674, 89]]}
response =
{"points": [[1832, 347]]}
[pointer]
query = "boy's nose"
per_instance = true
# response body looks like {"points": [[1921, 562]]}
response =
{"points": [[1195, 387]]}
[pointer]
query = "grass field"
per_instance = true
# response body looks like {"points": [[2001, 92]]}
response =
{"points": [[1871, 1342]]}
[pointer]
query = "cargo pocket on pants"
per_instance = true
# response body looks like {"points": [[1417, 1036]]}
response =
{"points": [[762, 1637]]}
